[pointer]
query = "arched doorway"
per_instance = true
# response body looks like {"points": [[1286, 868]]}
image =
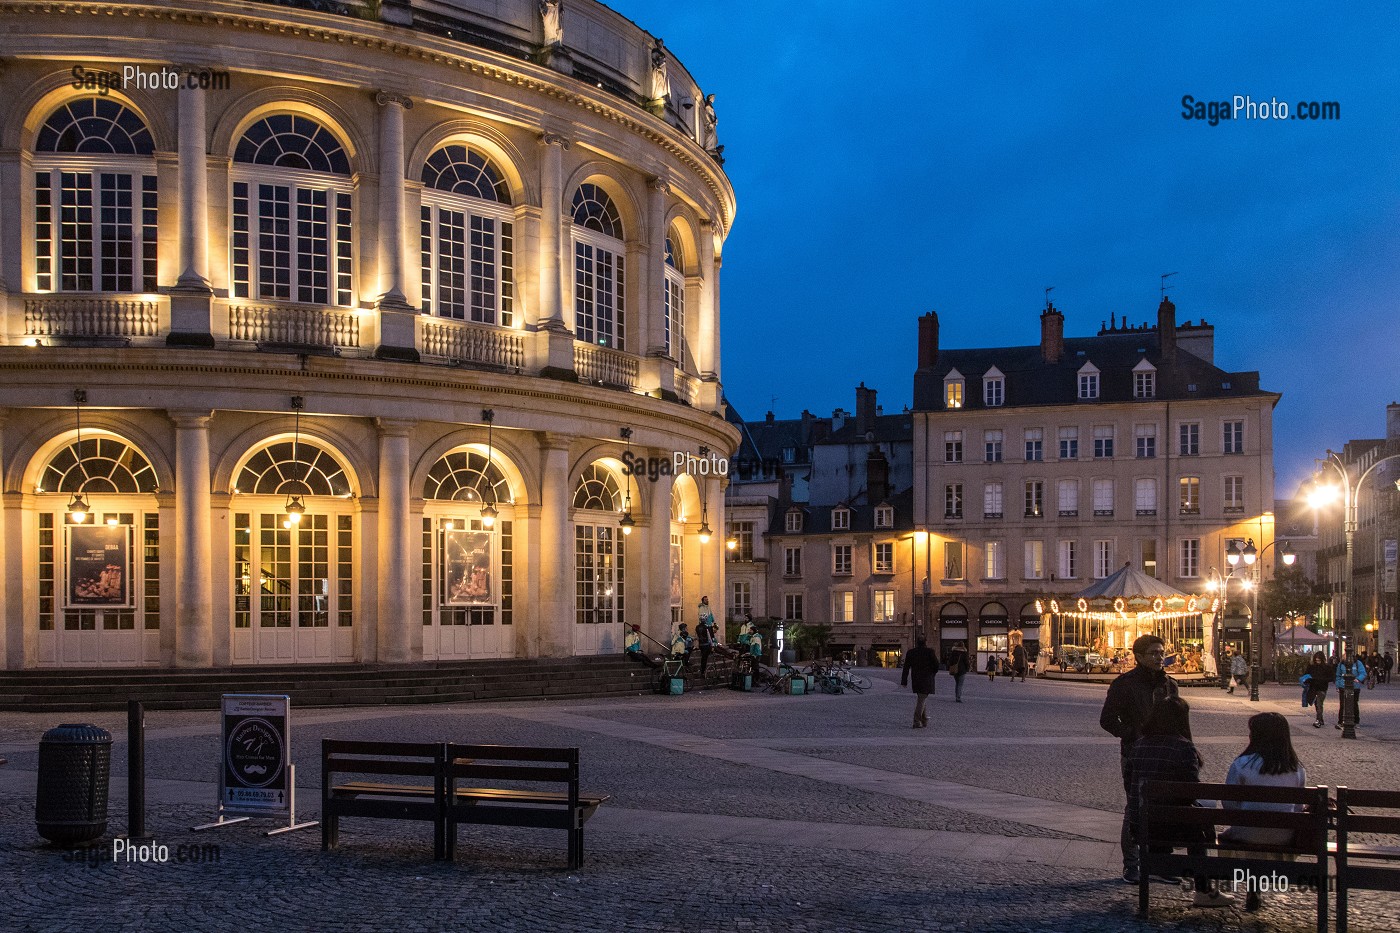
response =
{"points": [[952, 627], [991, 634], [293, 572], [468, 543], [599, 561], [98, 558]]}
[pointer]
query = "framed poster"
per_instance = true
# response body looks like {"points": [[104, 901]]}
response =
{"points": [[468, 562], [99, 566], [676, 579]]}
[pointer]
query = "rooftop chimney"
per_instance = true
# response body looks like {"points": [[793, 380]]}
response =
{"points": [[928, 341], [1052, 334], [865, 409], [1166, 328], [877, 477]]}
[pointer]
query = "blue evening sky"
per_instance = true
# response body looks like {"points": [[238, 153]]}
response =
{"points": [[893, 158]]}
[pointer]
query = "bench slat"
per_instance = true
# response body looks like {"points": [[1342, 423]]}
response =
{"points": [[404, 749], [1157, 790], [513, 773], [512, 753], [377, 766], [398, 790], [1201, 816]]}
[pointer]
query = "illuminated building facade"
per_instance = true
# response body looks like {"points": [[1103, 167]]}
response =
{"points": [[334, 321]]}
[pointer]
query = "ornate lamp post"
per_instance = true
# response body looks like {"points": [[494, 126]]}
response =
{"points": [[1252, 583], [1321, 495]]}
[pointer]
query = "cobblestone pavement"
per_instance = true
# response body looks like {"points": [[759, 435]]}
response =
{"points": [[729, 811]]}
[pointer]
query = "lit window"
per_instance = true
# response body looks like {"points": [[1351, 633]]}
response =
{"points": [[1190, 495], [953, 391], [882, 609], [742, 533], [599, 269], [843, 606], [467, 238], [953, 560]]}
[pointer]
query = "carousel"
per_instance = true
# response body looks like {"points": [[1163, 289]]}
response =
{"points": [[1093, 631]]}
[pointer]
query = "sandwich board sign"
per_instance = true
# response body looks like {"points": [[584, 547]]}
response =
{"points": [[256, 773]]}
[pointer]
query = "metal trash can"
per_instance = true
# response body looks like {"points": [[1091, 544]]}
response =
{"points": [[75, 763]]}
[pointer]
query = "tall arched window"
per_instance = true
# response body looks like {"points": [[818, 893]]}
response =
{"points": [[599, 274], [94, 200], [673, 291], [467, 238], [598, 551], [292, 219]]}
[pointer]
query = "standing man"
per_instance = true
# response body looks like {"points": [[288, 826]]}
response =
{"points": [[1018, 662], [705, 633], [922, 664], [1130, 701], [1358, 672]]}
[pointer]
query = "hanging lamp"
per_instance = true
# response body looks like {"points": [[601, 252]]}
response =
{"points": [[295, 508], [77, 508], [488, 511], [627, 523]]}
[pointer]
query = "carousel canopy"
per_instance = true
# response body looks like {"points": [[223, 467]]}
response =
{"points": [[1129, 583]]}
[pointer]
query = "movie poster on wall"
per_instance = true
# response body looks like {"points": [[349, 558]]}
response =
{"points": [[99, 566], [468, 568], [676, 580]]}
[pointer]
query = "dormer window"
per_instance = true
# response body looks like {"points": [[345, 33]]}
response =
{"points": [[884, 516], [953, 386], [1144, 380], [994, 388], [1088, 382], [789, 454], [840, 519], [793, 524]]}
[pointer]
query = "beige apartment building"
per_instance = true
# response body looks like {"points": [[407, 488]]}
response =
{"points": [[1040, 469]]}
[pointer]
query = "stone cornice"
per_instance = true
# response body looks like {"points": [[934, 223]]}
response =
{"points": [[332, 29]]}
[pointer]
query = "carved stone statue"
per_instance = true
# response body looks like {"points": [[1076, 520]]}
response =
{"points": [[709, 137], [549, 20], [660, 81]]}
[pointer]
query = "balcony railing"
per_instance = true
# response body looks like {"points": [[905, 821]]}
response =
{"points": [[91, 316], [686, 387], [461, 342], [601, 366], [294, 325]]}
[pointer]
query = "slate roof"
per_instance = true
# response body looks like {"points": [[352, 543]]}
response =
{"points": [[817, 519], [1032, 381]]}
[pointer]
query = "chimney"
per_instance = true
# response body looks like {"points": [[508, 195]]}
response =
{"points": [[928, 342], [769, 419], [877, 477], [1166, 328], [1052, 334], [865, 409], [806, 427]]}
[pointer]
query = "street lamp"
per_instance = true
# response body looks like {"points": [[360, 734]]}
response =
{"points": [[1320, 495], [1252, 583]]}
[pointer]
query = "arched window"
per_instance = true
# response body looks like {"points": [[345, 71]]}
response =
{"points": [[599, 274], [292, 219], [467, 238], [597, 490], [94, 200], [673, 293], [465, 475], [677, 503], [102, 464], [272, 471]]}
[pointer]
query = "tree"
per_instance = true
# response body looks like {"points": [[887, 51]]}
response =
{"points": [[1290, 595]]}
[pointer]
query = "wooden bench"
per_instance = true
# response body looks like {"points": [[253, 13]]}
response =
{"points": [[485, 801], [383, 801], [1168, 806], [1379, 868]]}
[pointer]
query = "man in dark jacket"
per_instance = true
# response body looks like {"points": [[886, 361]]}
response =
{"points": [[922, 664], [1018, 662], [1131, 698]]}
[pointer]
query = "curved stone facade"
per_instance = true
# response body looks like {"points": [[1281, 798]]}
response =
{"points": [[346, 340]]}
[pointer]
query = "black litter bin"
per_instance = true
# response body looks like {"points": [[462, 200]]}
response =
{"points": [[75, 762]]}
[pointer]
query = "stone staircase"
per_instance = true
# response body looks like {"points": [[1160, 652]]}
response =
{"points": [[340, 684]]}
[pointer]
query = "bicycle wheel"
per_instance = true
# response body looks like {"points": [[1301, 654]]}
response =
{"points": [[859, 683]]}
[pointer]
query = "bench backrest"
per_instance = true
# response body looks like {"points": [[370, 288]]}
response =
{"points": [[514, 764], [1349, 821], [1169, 804], [417, 759]]}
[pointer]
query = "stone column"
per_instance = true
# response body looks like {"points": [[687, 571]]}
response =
{"points": [[194, 589], [556, 564], [194, 189], [397, 589], [191, 300], [8, 618], [651, 277], [552, 147], [706, 354], [391, 186], [656, 618]]}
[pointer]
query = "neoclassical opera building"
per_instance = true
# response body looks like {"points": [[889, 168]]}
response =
{"points": [[328, 331]]}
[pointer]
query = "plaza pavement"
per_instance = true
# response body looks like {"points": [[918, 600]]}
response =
{"points": [[729, 811]]}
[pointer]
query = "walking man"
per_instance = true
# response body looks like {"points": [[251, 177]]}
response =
{"points": [[1018, 662], [922, 665], [958, 664], [1239, 670], [1130, 701]]}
